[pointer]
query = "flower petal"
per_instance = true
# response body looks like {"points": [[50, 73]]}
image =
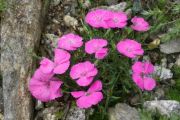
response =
{"points": [[77, 94], [46, 65], [84, 81], [149, 84], [61, 56], [102, 53], [96, 86], [62, 68], [55, 90]]}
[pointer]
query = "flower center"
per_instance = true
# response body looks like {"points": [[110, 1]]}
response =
{"points": [[71, 41], [115, 20], [87, 94], [83, 74]]}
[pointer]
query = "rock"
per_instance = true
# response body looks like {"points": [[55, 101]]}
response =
{"points": [[55, 2], [123, 111], [135, 100], [163, 73], [178, 61], [1, 117], [52, 40], [119, 7], [159, 93], [76, 113], [165, 107], [170, 65], [39, 105], [70, 21], [164, 62], [112, 2], [21, 29], [1, 100], [129, 13], [86, 4], [170, 47], [47, 113]]}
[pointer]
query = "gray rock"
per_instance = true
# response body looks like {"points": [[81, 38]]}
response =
{"points": [[159, 93], [1, 117], [55, 2], [123, 111], [39, 105], [1, 100], [164, 62], [165, 107], [119, 7], [86, 4], [129, 12], [170, 47], [52, 40], [76, 113], [112, 2], [47, 113], [70, 21], [163, 73], [178, 61]]}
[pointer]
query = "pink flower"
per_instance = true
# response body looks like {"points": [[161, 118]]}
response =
{"points": [[92, 97], [83, 73], [97, 46], [44, 87], [142, 75], [59, 66], [143, 67], [117, 20], [144, 83], [70, 42], [97, 18], [130, 48], [139, 24]]}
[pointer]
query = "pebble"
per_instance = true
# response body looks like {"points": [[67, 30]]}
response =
{"points": [[123, 111], [163, 73], [170, 47], [70, 21], [165, 107]]}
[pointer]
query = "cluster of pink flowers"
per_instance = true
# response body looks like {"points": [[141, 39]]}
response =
{"points": [[101, 18], [141, 70], [45, 87]]}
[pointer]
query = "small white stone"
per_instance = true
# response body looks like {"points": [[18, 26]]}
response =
{"points": [[165, 107], [163, 73], [70, 21]]}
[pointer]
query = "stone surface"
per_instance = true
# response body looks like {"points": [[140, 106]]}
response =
{"points": [[20, 33], [178, 61], [47, 113], [165, 107], [159, 93], [1, 117], [170, 47], [1, 100], [163, 73], [76, 113], [123, 111], [39, 105], [86, 4], [55, 2], [118, 7], [112, 2], [70, 21]]}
